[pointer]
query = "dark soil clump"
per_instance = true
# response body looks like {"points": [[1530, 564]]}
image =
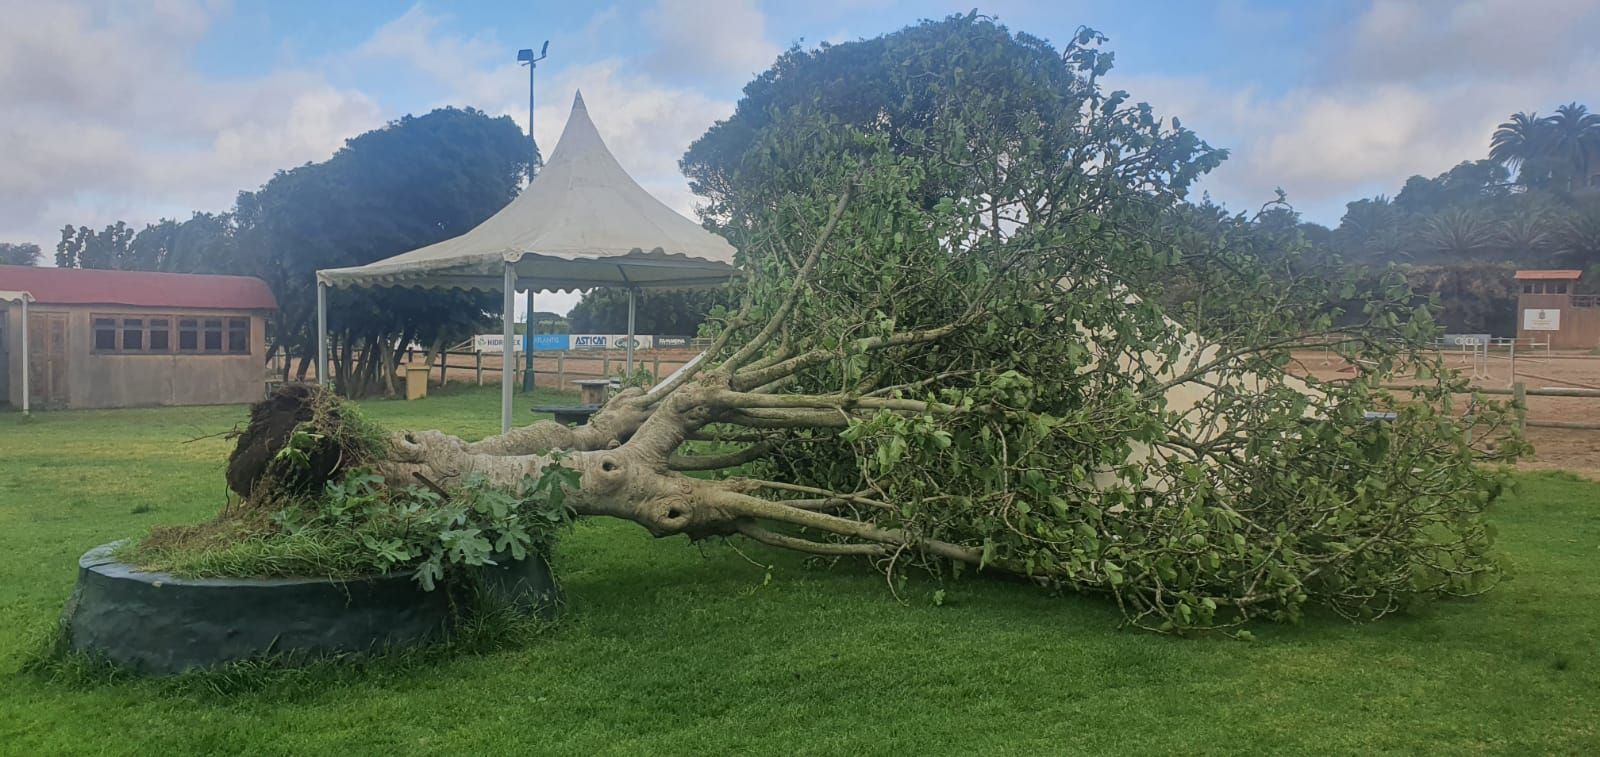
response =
{"points": [[333, 440]]}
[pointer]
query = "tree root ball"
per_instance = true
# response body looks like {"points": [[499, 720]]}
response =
{"points": [[338, 438]]}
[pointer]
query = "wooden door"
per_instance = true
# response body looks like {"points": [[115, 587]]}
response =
{"points": [[47, 358]]}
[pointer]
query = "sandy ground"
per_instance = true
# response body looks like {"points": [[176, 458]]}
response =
{"points": [[1554, 448]]}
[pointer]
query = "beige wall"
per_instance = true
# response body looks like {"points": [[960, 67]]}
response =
{"points": [[1580, 326], [113, 380]]}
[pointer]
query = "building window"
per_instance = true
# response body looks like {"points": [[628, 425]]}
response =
{"points": [[212, 334], [160, 335], [1558, 287], [188, 335], [153, 334], [133, 335], [239, 335], [105, 335]]}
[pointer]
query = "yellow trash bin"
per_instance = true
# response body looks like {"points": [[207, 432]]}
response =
{"points": [[416, 382]]}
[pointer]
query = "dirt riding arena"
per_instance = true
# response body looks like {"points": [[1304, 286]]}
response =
{"points": [[1554, 448]]}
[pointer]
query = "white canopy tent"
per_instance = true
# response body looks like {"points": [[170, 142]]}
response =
{"points": [[24, 298], [583, 222]]}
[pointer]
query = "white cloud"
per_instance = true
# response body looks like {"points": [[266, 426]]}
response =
{"points": [[1413, 88], [1424, 40], [107, 119], [720, 41]]}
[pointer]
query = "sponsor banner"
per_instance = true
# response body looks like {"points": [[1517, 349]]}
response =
{"points": [[557, 342], [552, 342], [610, 341], [1466, 340], [672, 341], [491, 343], [1541, 320]]}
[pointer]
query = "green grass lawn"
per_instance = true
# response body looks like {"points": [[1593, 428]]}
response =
{"points": [[667, 647]]}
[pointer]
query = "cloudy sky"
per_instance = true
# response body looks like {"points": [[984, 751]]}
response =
{"points": [[134, 111]]}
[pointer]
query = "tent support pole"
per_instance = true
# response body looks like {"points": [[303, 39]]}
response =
{"points": [[322, 334], [25, 389], [631, 291], [508, 355], [527, 346]]}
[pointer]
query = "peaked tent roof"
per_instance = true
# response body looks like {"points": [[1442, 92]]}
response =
{"points": [[582, 222]]}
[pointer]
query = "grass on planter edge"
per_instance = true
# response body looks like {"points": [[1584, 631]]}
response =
{"points": [[309, 552]]}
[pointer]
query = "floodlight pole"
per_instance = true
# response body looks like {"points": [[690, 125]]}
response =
{"points": [[527, 57]]}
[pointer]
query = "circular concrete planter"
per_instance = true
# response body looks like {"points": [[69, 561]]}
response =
{"points": [[158, 623]]}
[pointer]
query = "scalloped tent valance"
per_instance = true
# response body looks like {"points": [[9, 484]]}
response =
{"points": [[583, 222]]}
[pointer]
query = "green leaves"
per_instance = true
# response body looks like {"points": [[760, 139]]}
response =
{"points": [[415, 528]]}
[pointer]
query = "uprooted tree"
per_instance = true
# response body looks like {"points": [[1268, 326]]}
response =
{"points": [[949, 356]]}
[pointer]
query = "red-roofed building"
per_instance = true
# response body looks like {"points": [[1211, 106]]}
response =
{"points": [[1549, 311], [94, 338]]}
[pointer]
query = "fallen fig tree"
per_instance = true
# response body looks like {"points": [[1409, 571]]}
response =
{"points": [[973, 338]]}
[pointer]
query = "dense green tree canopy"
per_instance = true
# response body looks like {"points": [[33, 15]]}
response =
{"points": [[202, 244], [666, 312], [26, 253], [417, 181]]}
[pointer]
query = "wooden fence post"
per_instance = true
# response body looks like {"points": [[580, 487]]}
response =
{"points": [[561, 371], [605, 364], [655, 366], [477, 365], [444, 363], [1519, 404]]}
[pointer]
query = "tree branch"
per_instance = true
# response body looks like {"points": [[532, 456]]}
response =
{"points": [[749, 379], [775, 539], [717, 462], [801, 281]]}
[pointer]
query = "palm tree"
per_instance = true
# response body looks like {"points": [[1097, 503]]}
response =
{"points": [[1574, 143], [1523, 139], [1526, 233], [1577, 238], [1456, 234]]}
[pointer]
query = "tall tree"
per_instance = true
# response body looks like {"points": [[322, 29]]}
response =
{"points": [[668, 312], [202, 244], [1371, 231], [1522, 145], [26, 253], [419, 180], [1574, 144], [83, 247], [945, 358]]}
